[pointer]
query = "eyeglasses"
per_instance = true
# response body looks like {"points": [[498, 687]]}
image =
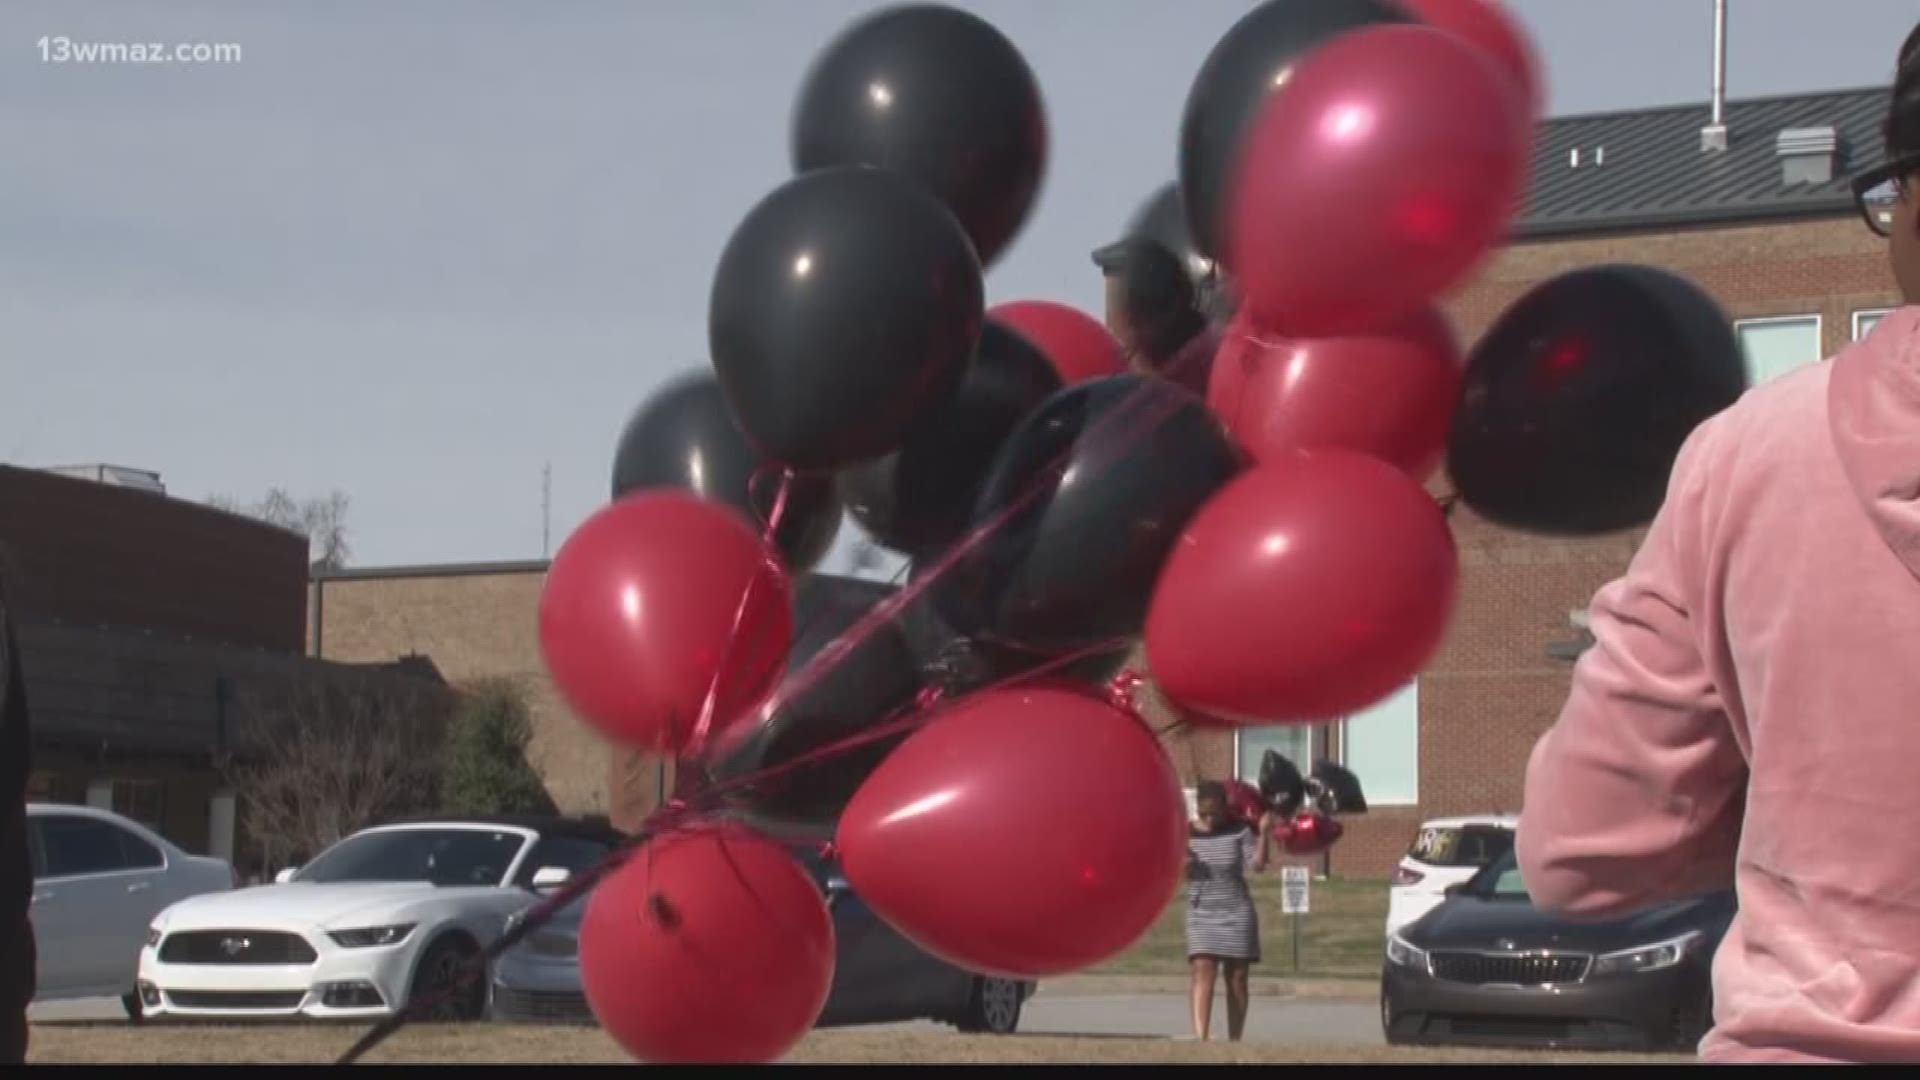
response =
{"points": [[1878, 190]]}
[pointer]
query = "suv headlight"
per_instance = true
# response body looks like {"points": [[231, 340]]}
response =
{"points": [[367, 937], [1647, 958], [1401, 953]]}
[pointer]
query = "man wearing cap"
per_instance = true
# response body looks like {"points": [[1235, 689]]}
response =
{"points": [[1154, 312]]}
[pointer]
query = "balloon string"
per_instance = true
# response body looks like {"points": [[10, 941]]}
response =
{"points": [[703, 726], [886, 611]]}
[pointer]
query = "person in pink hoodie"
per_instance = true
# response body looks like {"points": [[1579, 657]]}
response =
{"points": [[1749, 713]]}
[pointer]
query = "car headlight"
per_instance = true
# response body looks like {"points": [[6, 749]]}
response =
{"points": [[1647, 958], [367, 937], [1401, 953]]}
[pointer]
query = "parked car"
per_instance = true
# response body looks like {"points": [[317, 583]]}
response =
{"points": [[1445, 852], [879, 976], [1486, 967], [382, 915], [98, 881]]}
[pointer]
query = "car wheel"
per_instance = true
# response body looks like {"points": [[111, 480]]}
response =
{"points": [[994, 1008], [136, 1012], [1386, 1022], [447, 990]]}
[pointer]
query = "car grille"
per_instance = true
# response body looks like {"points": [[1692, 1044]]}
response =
{"points": [[1519, 969], [557, 1006], [263, 1000], [235, 947]]}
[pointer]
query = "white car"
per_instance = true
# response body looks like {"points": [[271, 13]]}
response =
{"points": [[383, 915], [1446, 852], [98, 881]]}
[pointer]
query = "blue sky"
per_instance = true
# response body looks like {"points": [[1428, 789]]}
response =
{"points": [[417, 249]]}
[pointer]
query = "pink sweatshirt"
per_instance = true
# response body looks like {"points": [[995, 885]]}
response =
{"points": [[1750, 714]]}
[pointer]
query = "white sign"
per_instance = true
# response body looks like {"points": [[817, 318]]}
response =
{"points": [[1295, 884]]}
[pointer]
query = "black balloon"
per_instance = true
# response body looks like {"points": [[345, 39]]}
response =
{"points": [[1085, 502], [1340, 788], [875, 679], [939, 95], [920, 495], [1226, 97], [959, 664], [845, 306], [1281, 785], [1576, 403], [685, 437]]}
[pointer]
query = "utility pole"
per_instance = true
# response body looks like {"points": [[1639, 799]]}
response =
{"points": [[546, 510]]}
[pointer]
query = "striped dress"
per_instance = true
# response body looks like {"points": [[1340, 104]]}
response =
{"points": [[1221, 921]]}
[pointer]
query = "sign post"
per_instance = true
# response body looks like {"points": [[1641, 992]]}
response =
{"points": [[1296, 883]]}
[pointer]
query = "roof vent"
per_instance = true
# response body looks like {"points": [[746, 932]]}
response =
{"points": [[113, 476], [1808, 155]]}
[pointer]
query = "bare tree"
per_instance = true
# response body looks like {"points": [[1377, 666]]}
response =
{"points": [[318, 757], [323, 521]]}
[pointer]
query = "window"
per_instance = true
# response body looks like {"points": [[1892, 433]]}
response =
{"points": [[71, 846], [1294, 741], [1472, 846], [574, 854], [1865, 321], [140, 855], [1774, 347], [1383, 749]]}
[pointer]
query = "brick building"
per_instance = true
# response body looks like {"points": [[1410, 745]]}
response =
{"points": [[1758, 214], [148, 627]]}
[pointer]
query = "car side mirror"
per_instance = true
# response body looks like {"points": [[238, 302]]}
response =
{"points": [[551, 877], [286, 875]]}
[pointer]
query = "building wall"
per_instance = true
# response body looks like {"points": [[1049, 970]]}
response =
{"points": [[473, 625], [90, 554]]}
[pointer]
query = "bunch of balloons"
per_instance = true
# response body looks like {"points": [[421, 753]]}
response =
{"points": [[1343, 164]]}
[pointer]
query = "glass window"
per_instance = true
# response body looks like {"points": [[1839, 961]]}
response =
{"points": [[75, 845], [1865, 321], [574, 854], [1471, 847], [139, 854], [1295, 741], [1774, 347], [1383, 749], [436, 856]]}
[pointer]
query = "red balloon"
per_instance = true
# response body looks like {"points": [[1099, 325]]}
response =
{"points": [[1311, 834], [1494, 30], [1307, 590], [637, 618], [1389, 394], [1078, 345], [1381, 178], [1244, 802], [710, 945], [1023, 833]]}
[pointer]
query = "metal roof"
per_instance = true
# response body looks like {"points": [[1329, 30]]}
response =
{"points": [[1645, 169]]}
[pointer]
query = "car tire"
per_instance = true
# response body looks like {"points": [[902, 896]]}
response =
{"points": [[1386, 1022], [136, 1011], [439, 977], [994, 1007]]}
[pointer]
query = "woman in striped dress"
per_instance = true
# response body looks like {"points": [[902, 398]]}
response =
{"points": [[1223, 929]]}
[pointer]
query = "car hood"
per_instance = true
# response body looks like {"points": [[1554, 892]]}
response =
{"points": [[300, 905], [1469, 922]]}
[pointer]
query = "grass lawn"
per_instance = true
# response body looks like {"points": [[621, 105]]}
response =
{"points": [[507, 1044], [1342, 938]]}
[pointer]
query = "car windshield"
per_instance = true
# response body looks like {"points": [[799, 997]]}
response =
{"points": [[1461, 847], [434, 856], [1500, 880]]}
